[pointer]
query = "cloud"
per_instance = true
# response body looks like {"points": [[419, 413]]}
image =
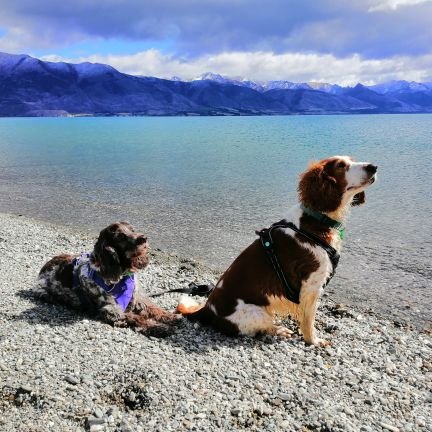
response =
{"points": [[370, 28], [383, 5], [263, 66]]}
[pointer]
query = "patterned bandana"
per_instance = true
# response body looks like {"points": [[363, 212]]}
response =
{"points": [[122, 291]]}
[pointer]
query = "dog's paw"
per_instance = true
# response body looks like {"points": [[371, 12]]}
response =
{"points": [[321, 342], [283, 332]]}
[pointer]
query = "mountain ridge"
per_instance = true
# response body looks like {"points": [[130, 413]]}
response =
{"points": [[33, 87]]}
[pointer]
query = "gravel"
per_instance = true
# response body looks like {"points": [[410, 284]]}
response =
{"points": [[62, 371]]}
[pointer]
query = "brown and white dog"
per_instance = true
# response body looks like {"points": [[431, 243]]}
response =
{"points": [[103, 283], [249, 294]]}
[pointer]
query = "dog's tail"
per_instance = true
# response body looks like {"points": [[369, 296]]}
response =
{"points": [[193, 311]]}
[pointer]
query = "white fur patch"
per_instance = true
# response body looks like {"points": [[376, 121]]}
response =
{"points": [[356, 176], [212, 308], [250, 319], [187, 301], [294, 214]]}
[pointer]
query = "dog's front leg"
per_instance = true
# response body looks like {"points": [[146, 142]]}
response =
{"points": [[308, 308], [142, 305], [112, 314]]}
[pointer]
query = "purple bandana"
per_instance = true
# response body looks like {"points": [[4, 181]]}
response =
{"points": [[122, 291]]}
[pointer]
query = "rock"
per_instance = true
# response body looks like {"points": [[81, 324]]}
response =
{"points": [[72, 380], [93, 421], [126, 427], [26, 388], [98, 413], [235, 411], [285, 396], [389, 427]]}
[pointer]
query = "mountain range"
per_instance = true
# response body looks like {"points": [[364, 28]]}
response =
{"points": [[32, 87]]}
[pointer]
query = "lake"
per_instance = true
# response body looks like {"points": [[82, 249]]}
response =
{"points": [[201, 186]]}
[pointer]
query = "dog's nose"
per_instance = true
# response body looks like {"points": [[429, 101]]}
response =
{"points": [[141, 240], [372, 169]]}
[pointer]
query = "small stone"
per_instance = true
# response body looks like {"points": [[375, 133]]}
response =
{"points": [[285, 396], [348, 411], [236, 411], [26, 388], [125, 426], [232, 377], [93, 421], [98, 413], [276, 402], [72, 380], [389, 427]]}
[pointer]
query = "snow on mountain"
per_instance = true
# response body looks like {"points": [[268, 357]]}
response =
{"points": [[397, 86], [210, 76], [33, 87], [326, 87], [286, 85]]}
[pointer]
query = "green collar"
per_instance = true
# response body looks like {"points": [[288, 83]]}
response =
{"points": [[325, 220]]}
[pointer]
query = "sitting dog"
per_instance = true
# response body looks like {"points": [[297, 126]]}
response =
{"points": [[284, 272], [103, 284]]}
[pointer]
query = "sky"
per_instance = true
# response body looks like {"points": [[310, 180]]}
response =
{"points": [[336, 41]]}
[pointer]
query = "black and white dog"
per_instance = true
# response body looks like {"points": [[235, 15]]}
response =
{"points": [[103, 284]]}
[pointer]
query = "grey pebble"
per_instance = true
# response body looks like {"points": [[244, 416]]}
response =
{"points": [[389, 427], [72, 380], [98, 413]]}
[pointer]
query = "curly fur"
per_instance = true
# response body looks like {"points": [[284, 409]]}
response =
{"points": [[118, 249]]}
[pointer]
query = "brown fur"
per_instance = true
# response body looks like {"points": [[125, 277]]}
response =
{"points": [[119, 248], [251, 278]]}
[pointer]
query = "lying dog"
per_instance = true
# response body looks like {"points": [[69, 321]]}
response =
{"points": [[284, 272], [103, 283]]}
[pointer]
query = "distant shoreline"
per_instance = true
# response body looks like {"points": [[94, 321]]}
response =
{"points": [[308, 114]]}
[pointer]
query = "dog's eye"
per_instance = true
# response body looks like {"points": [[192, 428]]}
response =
{"points": [[341, 164], [122, 236]]}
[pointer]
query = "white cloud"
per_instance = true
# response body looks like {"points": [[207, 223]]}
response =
{"points": [[263, 66], [383, 5]]}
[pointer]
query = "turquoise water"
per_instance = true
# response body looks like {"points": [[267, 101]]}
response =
{"points": [[200, 186]]}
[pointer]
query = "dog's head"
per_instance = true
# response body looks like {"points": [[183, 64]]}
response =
{"points": [[120, 249], [335, 182]]}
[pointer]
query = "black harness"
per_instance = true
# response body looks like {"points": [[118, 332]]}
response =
{"points": [[291, 293]]}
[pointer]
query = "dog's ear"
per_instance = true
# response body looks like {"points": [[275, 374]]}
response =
{"points": [[326, 173], [358, 199], [318, 189], [109, 262]]}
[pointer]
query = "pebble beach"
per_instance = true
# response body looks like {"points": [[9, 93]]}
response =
{"points": [[62, 371]]}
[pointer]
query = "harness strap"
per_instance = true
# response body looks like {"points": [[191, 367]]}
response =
{"points": [[193, 289], [331, 251], [267, 242], [268, 245]]}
